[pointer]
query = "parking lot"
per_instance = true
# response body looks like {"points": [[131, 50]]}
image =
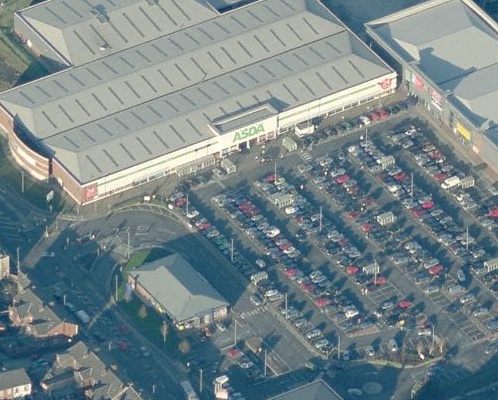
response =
{"points": [[360, 241]]}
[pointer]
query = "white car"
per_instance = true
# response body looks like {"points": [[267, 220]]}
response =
{"points": [[424, 332], [321, 343], [370, 351], [260, 263], [291, 210], [49, 254], [271, 293], [192, 214], [346, 355], [366, 121]]}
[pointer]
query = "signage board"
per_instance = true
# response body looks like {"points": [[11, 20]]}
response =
{"points": [[248, 132], [463, 131], [50, 196]]}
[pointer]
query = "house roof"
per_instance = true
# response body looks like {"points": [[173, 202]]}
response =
{"points": [[14, 378], [178, 288], [316, 390], [158, 96], [455, 44], [27, 303], [85, 367]]}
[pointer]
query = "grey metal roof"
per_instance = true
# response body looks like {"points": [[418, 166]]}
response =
{"points": [[453, 43], [316, 390], [159, 96], [83, 31], [14, 378], [178, 288]]}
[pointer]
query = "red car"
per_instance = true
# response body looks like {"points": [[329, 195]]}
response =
{"points": [[366, 228], [440, 177], [404, 304], [374, 116], [342, 179], [203, 227], [291, 272], [428, 205], [493, 213], [234, 353], [379, 280], [383, 114], [400, 177], [419, 214], [322, 302], [354, 214], [351, 270], [436, 269]]}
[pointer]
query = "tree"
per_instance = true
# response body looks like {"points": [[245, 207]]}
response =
{"points": [[184, 346], [164, 330], [142, 311]]}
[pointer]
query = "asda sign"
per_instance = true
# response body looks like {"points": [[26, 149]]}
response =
{"points": [[248, 132]]}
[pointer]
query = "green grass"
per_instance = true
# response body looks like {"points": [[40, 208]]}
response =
{"points": [[150, 326]]}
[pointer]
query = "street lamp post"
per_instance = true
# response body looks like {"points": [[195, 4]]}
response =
{"points": [[235, 333], [128, 250]]}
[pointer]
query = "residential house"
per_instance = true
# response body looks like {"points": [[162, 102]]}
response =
{"points": [[79, 372], [14, 384], [29, 312]]}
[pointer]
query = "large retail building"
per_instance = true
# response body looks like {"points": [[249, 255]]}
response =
{"points": [[447, 54], [146, 88]]}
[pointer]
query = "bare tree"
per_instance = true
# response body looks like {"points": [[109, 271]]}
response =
{"points": [[142, 311], [184, 346], [164, 330]]}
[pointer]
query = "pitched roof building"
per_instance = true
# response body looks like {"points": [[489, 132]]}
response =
{"points": [[447, 54], [37, 318], [14, 384], [147, 86], [172, 286], [316, 390], [78, 371]]}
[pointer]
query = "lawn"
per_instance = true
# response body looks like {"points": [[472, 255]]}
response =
{"points": [[17, 65], [150, 324]]}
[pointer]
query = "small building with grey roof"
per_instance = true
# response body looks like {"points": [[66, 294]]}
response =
{"points": [[173, 287], [316, 390], [447, 54], [144, 87]]}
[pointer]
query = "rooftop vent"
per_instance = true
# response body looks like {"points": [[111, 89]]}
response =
{"points": [[100, 13]]}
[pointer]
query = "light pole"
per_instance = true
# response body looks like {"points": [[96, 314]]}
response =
{"points": [[22, 181], [153, 390], [321, 216], [231, 251], [433, 327], [128, 251], [411, 188], [200, 380], [235, 333], [265, 363]]}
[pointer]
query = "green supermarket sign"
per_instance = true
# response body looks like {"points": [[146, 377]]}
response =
{"points": [[248, 132]]}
